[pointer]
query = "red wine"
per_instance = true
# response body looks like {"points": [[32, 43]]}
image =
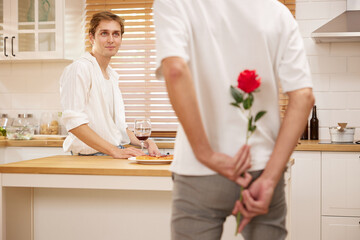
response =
{"points": [[142, 138]]}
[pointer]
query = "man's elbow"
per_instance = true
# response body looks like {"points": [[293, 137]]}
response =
{"points": [[173, 68]]}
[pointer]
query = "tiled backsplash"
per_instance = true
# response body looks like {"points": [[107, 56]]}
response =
{"points": [[30, 87], [34, 87]]}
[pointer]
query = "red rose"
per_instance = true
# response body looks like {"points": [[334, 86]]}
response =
{"points": [[248, 81]]}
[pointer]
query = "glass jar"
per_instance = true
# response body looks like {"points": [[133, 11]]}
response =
{"points": [[4, 121], [22, 127], [49, 124]]}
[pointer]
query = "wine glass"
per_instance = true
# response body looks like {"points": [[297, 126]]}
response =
{"points": [[142, 130]]}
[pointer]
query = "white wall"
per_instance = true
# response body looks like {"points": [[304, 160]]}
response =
{"points": [[34, 88], [30, 87], [335, 67]]}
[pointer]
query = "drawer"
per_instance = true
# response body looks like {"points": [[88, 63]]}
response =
{"points": [[344, 228]]}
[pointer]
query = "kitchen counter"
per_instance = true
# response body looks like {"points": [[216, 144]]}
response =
{"points": [[54, 143], [314, 145], [103, 197], [85, 165], [304, 145]]}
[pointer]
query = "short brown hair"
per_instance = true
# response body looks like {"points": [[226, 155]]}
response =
{"points": [[108, 16]]}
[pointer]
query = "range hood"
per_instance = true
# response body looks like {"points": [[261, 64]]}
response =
{"points": [[343, 28]]}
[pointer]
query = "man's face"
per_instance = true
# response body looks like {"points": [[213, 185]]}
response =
{"points": [[107, 39]]}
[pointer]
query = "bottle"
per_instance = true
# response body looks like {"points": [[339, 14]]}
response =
{"points": [[305, 135], [314, 125], [4, 121]]}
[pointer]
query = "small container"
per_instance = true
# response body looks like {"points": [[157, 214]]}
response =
{"points": [[342, 135], [49, 124], [22, 128], [4, 121]]}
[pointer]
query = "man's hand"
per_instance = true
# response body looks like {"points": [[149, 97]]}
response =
{"points": [[256, 200], [152, 148], [234, 168], [127, 152]]}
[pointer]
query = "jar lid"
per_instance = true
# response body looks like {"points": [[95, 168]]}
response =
{"points": [[25, 115]]}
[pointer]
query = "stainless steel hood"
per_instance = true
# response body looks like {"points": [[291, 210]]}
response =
{"points": [[343, 28]]}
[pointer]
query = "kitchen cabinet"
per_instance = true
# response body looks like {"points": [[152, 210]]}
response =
{"points": [[340, 184], [304, 204], [344, 228], [36, 29], [340, 196]]}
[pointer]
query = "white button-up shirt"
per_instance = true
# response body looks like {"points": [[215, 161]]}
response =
{"points": [[84, 100]]}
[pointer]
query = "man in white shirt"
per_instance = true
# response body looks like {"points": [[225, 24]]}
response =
{"points": [[93, 108], [202, 46]]}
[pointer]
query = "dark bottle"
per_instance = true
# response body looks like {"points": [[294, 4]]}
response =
{"points": [[305, 135], [314, 125]]}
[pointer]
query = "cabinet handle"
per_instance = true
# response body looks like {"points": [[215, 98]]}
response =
{"points": [[5, 38], [12, 46]]}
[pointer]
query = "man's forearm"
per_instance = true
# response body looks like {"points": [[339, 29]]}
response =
{"points": [[296, 115], [182, 96], [92, 139]]}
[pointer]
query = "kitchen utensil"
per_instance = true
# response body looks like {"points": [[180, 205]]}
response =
{"points": [[342, 133]]}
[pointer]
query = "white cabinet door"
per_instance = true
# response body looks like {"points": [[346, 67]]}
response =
{"points": [[305, 215], [31, 29], [5, 34], [344, 228], [341, 184]]}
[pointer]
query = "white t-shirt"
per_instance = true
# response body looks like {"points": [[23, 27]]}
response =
{"points": [[84, 94], [219, 39]]}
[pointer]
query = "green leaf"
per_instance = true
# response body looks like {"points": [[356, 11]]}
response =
{"points": [[235, 104], [236, 94], [253, 128], [259, 115], [250, 124]]}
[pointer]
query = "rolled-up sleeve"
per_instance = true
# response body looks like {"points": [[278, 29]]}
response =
{"points": [[75, 84]]}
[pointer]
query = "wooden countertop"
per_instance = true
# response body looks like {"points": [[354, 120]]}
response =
{"points": [[304, 145], [314, 145], [84, 165]]}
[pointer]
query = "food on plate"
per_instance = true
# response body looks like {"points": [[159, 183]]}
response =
{"points": [[162, 157]]}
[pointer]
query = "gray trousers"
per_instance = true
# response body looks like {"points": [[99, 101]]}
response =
{"points": [[202, 203]]}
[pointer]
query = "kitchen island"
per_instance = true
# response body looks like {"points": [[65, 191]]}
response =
{"points": [[78, 197], [72, 197]]}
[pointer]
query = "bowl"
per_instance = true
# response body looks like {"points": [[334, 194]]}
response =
{"points": [[20, 133], [342, 135]]}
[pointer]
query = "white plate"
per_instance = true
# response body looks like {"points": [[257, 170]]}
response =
{"points": [[150, 161]]}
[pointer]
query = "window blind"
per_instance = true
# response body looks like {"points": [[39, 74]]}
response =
{"points": [[144, 95]]}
